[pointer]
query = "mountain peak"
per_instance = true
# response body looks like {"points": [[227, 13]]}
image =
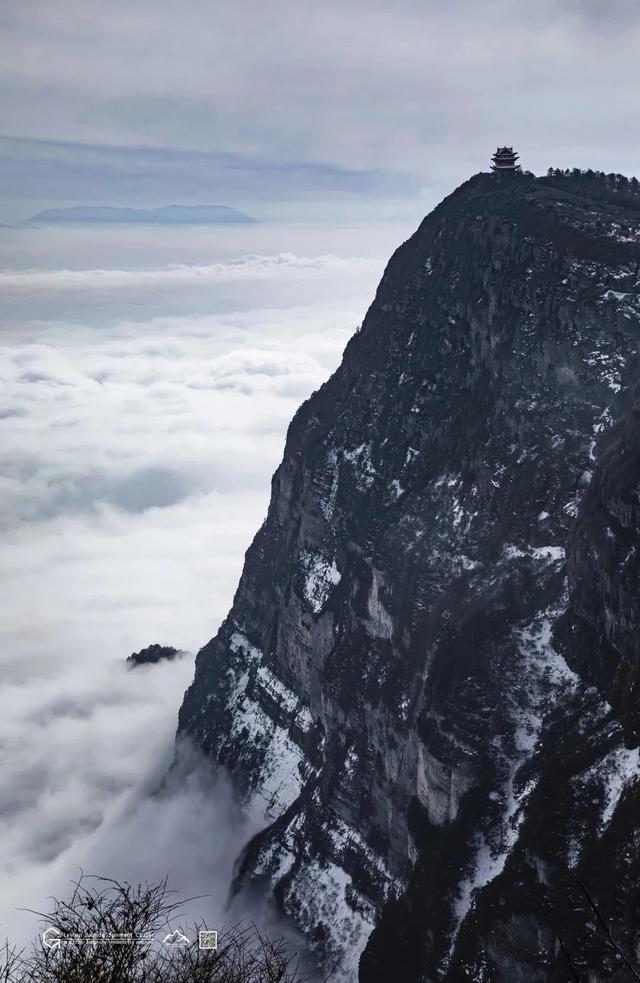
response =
{"points": [[387, 682]]}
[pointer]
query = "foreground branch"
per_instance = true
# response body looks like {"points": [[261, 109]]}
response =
{"points": [[112, 932]]}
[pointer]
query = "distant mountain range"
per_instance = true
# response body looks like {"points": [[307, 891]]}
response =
{"points": [[168, 215]]}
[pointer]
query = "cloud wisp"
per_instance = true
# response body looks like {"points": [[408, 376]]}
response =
{"points": [[246, 268]]}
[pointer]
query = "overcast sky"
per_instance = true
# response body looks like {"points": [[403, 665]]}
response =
{"points": [[249, 101]]}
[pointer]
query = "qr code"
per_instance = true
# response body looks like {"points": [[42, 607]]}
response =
{"points": [[207, 940]]}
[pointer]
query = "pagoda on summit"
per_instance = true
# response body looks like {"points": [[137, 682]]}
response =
{"points": [[504, 161]]}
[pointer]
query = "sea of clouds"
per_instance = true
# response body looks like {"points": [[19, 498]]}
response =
{"points": [[146, 381]]}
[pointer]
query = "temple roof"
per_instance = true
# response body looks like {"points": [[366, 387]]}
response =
{"points": [[505, 159]]}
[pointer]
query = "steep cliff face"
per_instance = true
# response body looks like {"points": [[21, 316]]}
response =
{"points": [[604, 571], [400, 689]]}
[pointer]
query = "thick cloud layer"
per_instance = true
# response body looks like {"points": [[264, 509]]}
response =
{"points": [[135, 462]]}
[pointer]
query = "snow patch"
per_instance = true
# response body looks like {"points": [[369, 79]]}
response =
{"points": [[546, 678], [364, 471], [549, 554], [320, 894], [281, 778], [380, 623], [467, 562], [614, 295], [617, 771], [412, 454], [344, 837], [555, 554], [608, 364], [321, 575], [328, 504], [270, 683], [396, 489], [604, 421], [458, 513]]}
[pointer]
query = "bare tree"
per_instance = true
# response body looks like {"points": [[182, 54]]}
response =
{"points": [[112, 932], [10, 963], [244, 955]]}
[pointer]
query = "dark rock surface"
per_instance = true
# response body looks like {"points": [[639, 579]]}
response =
{"points": [[409, 692], [604, 570], [151, 654]]}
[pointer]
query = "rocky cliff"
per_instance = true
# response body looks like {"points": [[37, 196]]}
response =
{"points": [[426, 687]]}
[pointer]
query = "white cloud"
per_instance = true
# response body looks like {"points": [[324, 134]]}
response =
{"points": [[246, 268], [135, 467]]}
